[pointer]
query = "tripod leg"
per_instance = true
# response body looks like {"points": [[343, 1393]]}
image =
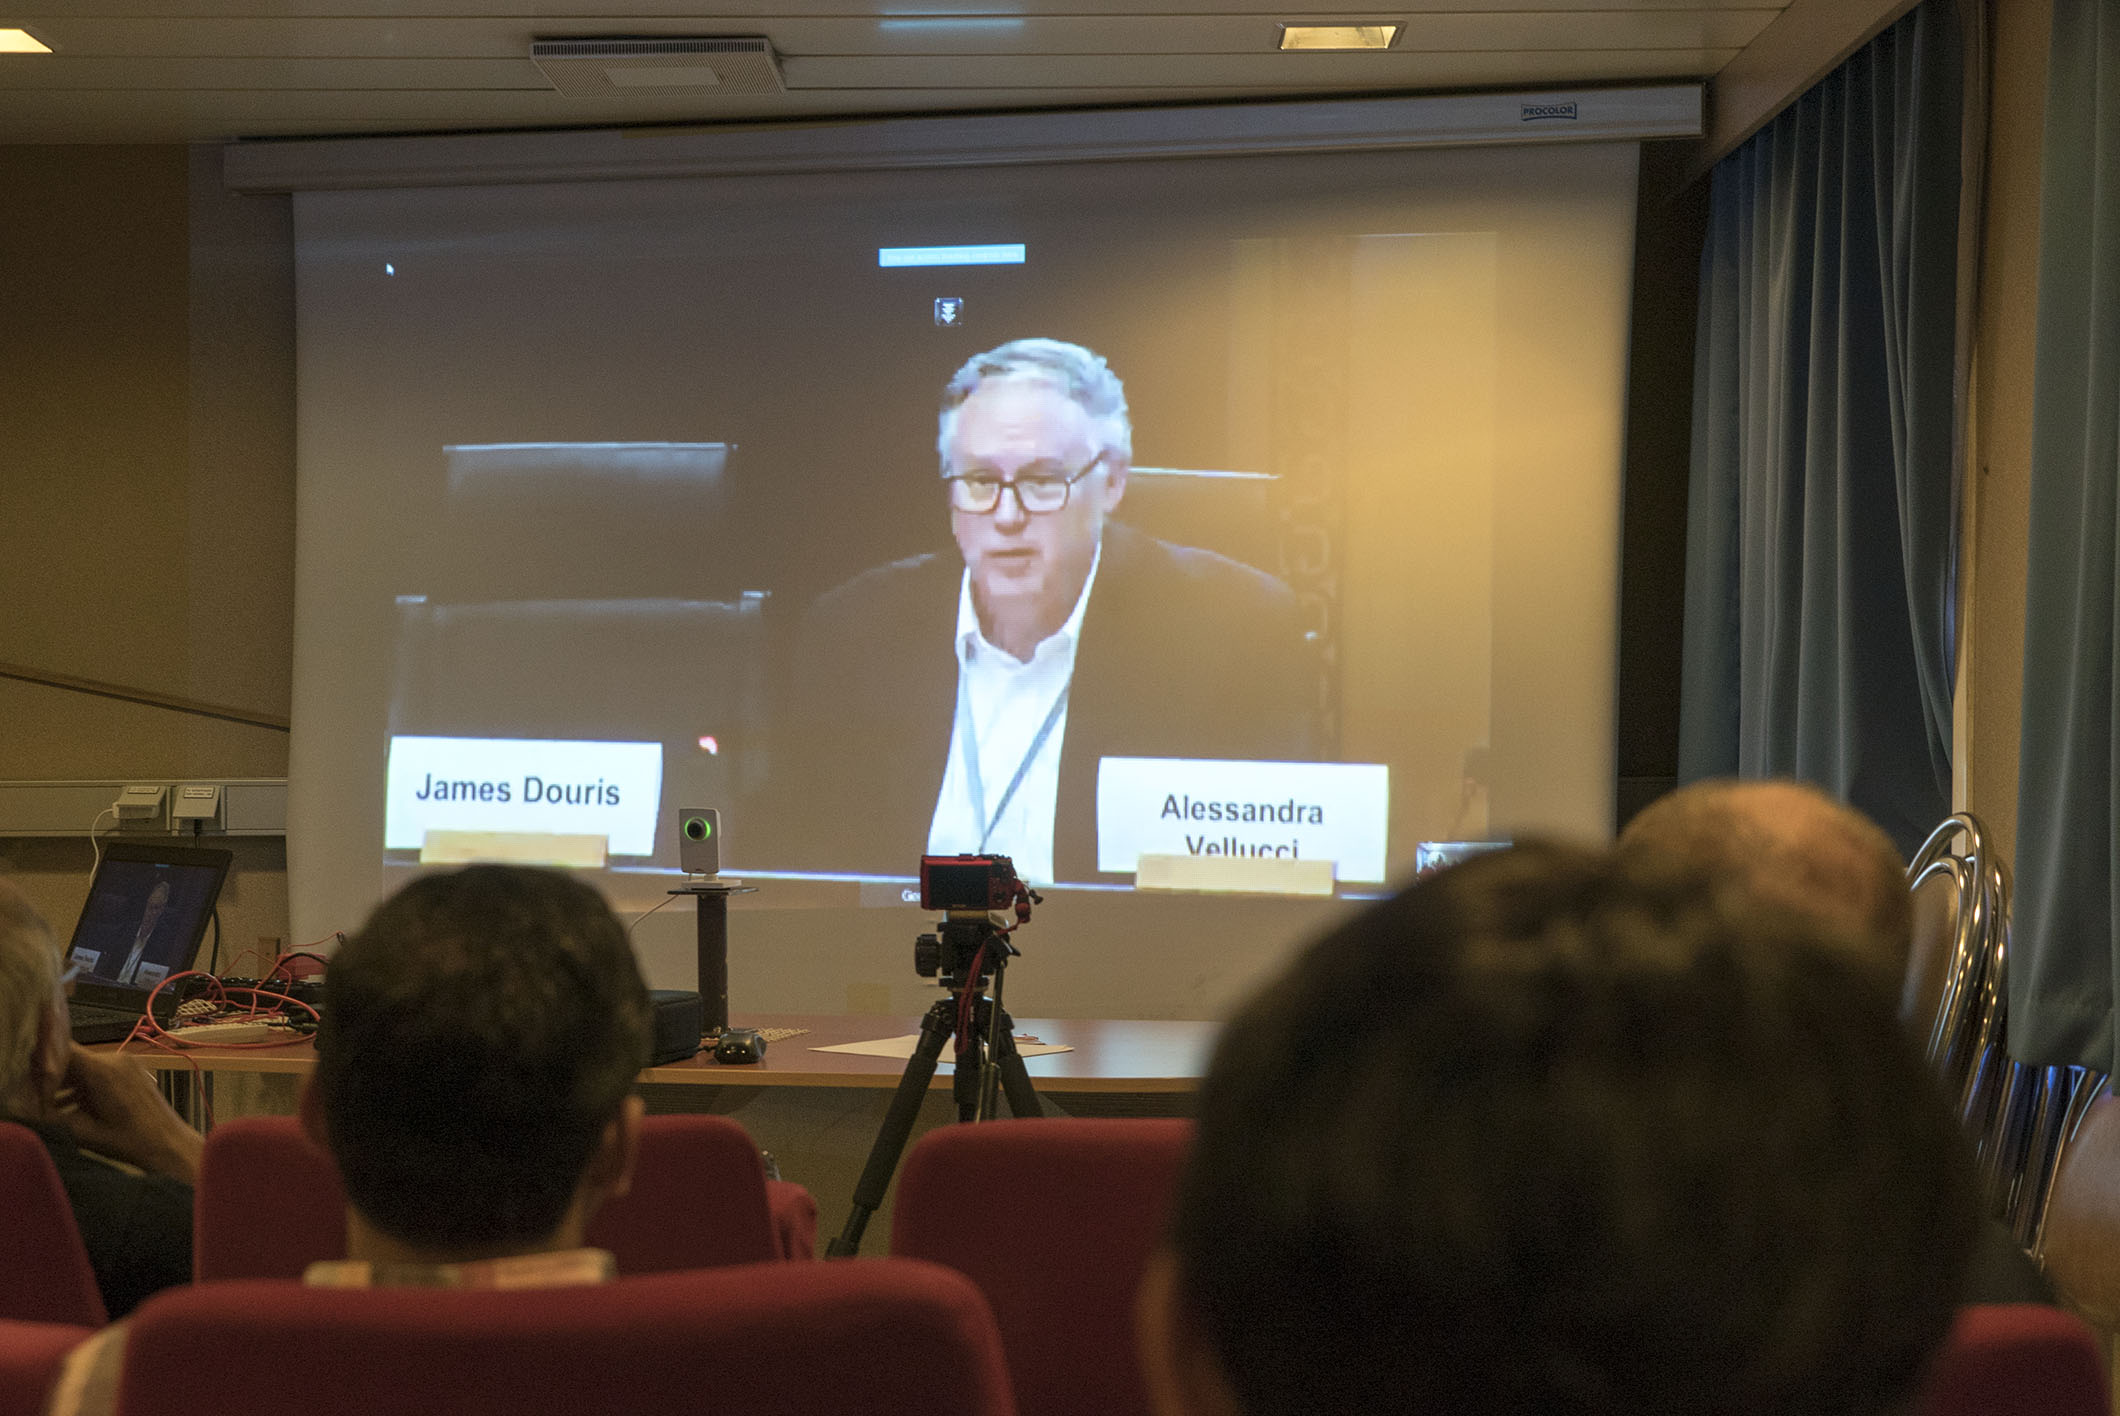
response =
{"points": [[968, 1085], [989, 1033], [935, 1030], [1015, 1078]]}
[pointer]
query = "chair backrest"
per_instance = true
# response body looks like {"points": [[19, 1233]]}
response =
{"points": [[698, 1200], [2079, 1240], [884, 1336], [45, 1276], [2017, 1359], [1953, 985], [2064, 1100], [574, 669], [1956, 998], [30, 1356], [270, 1202], [794, 1219], [1055, 1220], [516, 516], [1236, 516], [1942, 894]]}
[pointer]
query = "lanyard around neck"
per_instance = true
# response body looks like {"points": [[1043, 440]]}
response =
{"points": [[971, 754]]}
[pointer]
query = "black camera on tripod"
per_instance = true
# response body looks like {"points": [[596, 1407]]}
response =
{"points": [[970, 946], [969, 890]]}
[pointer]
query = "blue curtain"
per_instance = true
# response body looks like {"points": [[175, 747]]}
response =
{"points": [[1821, 540], [2062, 962]]}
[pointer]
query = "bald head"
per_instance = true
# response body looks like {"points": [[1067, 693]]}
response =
{"points": [[1789, 845]]}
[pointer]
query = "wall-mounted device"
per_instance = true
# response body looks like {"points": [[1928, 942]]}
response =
{"points": [[196, 801], [139, 803], [699, 840]]}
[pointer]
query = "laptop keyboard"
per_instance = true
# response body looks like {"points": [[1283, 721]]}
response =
{"points": [[78, 1013]]}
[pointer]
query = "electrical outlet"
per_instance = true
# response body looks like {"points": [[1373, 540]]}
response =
{"points": [[139, 803], [196, 801]]}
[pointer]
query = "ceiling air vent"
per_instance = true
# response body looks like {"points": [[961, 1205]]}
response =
{"points": [[582, 68]]}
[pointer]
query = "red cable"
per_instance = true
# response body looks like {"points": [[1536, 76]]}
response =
{"points": [[966, 1005], [218, 992], [139, 1033], [289, 957], [148, 1028]]}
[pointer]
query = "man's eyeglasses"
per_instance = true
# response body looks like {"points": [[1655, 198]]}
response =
{"points": [[1036, 492]]}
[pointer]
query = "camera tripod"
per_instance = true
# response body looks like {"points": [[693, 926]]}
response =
{"points": [[986, 1059]]}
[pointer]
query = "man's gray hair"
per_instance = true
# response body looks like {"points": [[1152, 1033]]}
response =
{"points": [[1077, 372], [1787, 844], [29, 971]]}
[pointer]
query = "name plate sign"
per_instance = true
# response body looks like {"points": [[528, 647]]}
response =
{"points": [[1336, 811], [549, 787]]}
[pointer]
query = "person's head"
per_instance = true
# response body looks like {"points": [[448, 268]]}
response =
{"points": [[475, 1063], [1788, 844], [1554, 1131], [1041, 414], [33, 1035]]}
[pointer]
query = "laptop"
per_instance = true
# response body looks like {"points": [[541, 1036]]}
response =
{"points": [[145, 915]]}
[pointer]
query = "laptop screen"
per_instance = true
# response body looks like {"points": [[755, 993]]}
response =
{"points": [[146, 913]]}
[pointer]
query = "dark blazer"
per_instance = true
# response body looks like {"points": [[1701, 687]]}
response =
{"points": [[1184, 653], [136, 1228]]}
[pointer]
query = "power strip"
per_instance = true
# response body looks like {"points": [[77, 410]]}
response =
{"points": [[244, 1030]]}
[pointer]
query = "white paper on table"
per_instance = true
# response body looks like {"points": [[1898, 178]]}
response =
{"points": [[902, 1048]]}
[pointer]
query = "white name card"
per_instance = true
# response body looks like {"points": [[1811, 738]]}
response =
{"points": [[545, 787], [1335, 811]]}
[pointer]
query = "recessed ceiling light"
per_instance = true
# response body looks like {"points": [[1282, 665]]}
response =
{"points": [[15, 41], [1338, 36]]}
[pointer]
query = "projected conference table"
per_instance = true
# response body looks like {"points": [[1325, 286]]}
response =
{"points": [[1108, 1055]]}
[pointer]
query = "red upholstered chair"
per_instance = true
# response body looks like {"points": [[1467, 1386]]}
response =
{"points": [[1054, 1219], [30, 1354], [2017, 1359], [269, 1202], [794, 1211], [45, 1275], [699, 1200], [887, 1337]]}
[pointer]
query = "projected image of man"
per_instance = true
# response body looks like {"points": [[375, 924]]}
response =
{"points": [[1032, 469], [157, 902], [1070, 637]]}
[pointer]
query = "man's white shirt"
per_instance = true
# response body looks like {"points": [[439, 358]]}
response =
{"points": [[1007, 702]]}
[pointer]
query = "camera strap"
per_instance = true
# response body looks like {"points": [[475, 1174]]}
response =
{"points": [[971, 755]]}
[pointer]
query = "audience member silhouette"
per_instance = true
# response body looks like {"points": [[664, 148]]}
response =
{"points": [[474, 1082], [1563, 1132]]}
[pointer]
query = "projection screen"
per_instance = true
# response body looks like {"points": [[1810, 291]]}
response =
{"points": [[616, 497]]}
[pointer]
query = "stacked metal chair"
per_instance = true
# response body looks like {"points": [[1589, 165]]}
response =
{"points": [[2020, 1117]]}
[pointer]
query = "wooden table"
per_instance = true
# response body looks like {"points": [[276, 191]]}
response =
{"points": [[1109, 1055]]}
